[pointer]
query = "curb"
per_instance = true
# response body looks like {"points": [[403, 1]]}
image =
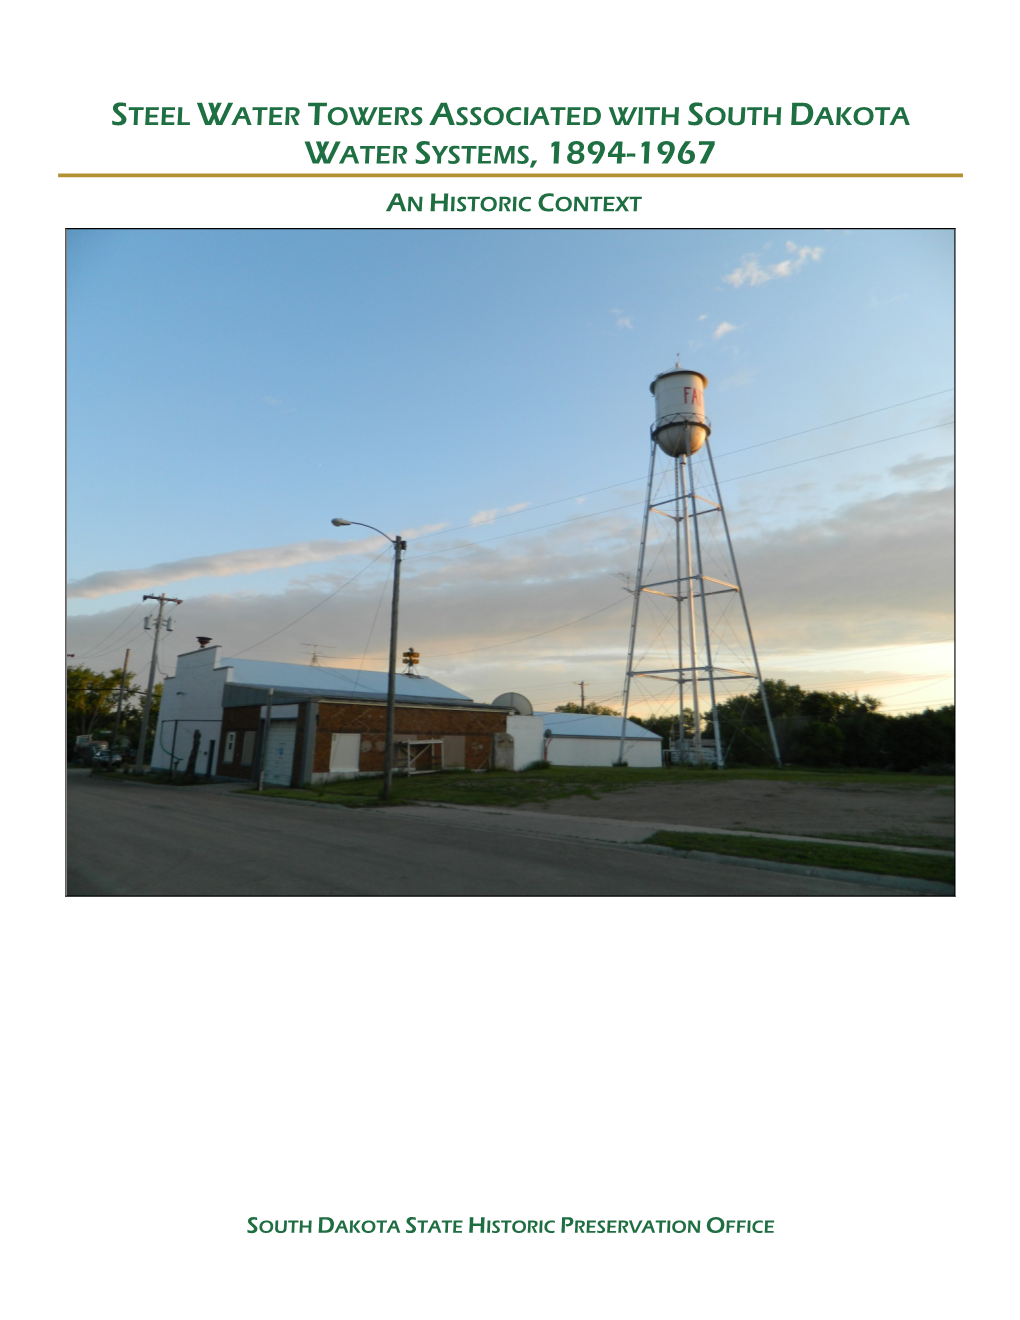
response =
{"points": [[936, 887], [892, 848], [933, 887]]}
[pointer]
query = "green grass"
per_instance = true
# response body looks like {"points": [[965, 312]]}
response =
{"points": [[154, 777], [876, 861], [899, 839], [528, 788]]}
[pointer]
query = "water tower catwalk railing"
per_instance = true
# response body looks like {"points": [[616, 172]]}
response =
{"points": [[680, 430]]}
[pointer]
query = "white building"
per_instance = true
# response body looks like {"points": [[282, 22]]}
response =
{"points": [[205, 688], [194, 698], [563, 738]]}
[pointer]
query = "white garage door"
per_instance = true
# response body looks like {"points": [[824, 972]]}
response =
{"points": [[345, 753], [280, 752]]}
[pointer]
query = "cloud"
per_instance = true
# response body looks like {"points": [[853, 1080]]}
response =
{"points": [[490, 515], [878, 572], [751, 271], [919, 466], [623, 322], [744, 377], [233, 563], [723, 328], [229, 563]]}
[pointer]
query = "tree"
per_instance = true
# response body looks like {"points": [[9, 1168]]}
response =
{"points": [[131, 723], [666, 725], [835, 728], [590, 708], [92, 707], [812, 728], [92, 700], [926, 738]]}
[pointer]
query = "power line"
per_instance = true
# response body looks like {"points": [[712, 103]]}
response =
{"points": [[596, 491], [856, 417], [599, 513], [915, 709], [580, 518], [315, 607], [941, 679], [632, 504], [94, 650], [446, 531], [834, 452], [513, 642]]}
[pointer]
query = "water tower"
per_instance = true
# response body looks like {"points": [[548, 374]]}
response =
{"points": [[696, 643]]}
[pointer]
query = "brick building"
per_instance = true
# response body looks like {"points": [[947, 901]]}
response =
{"points": [[324, 723]]}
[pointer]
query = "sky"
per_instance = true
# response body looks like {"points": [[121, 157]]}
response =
{"points": [[486, 394]]}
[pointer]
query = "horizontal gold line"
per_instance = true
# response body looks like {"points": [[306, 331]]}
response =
{"points": [[608, 177]]}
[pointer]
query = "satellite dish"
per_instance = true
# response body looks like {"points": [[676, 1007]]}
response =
{"points": [[515, 702]]}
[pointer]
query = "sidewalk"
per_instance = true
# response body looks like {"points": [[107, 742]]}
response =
{"points": [[607, 830]]}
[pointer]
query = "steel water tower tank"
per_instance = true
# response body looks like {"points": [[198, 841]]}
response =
{"points": [[680, 426]]}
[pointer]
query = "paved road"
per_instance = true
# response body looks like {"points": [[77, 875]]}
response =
{"points": [[144, 839]]}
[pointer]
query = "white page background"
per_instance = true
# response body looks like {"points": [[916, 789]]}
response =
{"points": [[182, 1065]]}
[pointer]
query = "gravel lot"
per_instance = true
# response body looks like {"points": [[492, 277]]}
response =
{"points": [[747, 804]]}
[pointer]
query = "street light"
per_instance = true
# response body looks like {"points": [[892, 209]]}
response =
{"points": [[391, 692]]}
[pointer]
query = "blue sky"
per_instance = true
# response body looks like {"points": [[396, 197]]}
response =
{"points": [[230, 391]]}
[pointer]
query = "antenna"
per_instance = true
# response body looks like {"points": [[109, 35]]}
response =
{"points": [[316, 648]]}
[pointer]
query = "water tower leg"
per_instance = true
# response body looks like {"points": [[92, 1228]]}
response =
{"points": [[681, 467], [743, 606], [679, 607], [704, 621], [637, 601]]}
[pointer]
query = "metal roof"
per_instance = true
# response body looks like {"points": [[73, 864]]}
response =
{"points": [[337, 682], [566, 724]]}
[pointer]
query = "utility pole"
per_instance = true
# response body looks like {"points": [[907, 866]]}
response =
{"points": [[399, 546], [391, 687], [120, 706], [144, 731], [265, 737], [581, 686]]}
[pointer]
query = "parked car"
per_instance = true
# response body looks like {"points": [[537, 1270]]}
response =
{"points": [[86, 750], [103, 758]]}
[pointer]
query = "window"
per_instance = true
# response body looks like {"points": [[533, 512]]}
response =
{"points": [[248, 747]]}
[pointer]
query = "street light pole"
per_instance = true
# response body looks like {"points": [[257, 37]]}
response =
{"points": [[399, 546], [391, 690]]}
